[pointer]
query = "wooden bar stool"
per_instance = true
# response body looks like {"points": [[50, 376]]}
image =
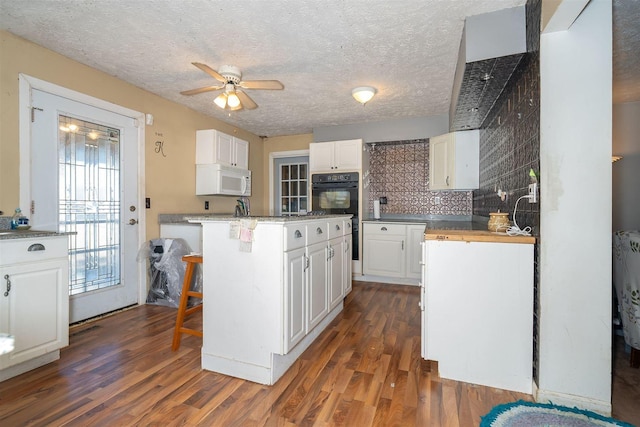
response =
{"points": [[183, 311]]}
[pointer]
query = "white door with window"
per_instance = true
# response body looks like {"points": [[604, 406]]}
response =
{"points": [[291, 186], [84, 179]]}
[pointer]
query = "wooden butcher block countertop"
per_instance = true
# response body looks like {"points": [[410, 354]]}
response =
{"points": [[475, 236]]}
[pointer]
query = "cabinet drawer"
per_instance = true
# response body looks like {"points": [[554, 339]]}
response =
{"points": [[336, 228], [14, 251], [294, 236], [317, 232], [384, 229], [347, 226]]}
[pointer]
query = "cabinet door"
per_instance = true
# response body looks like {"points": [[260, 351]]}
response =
{"points": [[348, 155], [36, 309], [294, 302], [320, 156], [241, 156], [384, 256], [347, 266], [441, 159], [384, 249], [415, 236], [224, 153], [336, 269], [318, 295]]}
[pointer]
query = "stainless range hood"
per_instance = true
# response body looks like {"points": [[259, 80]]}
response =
{"points": [[492, 46]]}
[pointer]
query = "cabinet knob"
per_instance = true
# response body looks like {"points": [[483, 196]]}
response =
{"points": [[383, 228], [337, 227], [35, 247], [318, 230], [297, 234]]}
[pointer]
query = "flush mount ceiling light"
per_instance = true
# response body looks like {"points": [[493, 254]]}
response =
{"points": [[363, 94]]}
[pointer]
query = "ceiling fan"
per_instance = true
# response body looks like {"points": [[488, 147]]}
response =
{"points": [[230, 78]]}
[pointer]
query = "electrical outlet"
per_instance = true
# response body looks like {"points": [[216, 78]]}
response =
{"points": [[383, 200], [206, 205], [533, 193], [147, 202], [436, 200]]}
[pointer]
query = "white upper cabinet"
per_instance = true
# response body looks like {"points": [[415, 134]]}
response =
{"points": [[335, 156], [213, 146], [454, 161]]}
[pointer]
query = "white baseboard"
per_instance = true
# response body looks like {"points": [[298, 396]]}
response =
{"points": [[21, 368], [389, 280], [580, 402]]}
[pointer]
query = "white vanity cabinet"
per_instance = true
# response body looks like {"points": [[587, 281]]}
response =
{"points": [[454, 161], [335, 156], [34, 301], [213, 146]]}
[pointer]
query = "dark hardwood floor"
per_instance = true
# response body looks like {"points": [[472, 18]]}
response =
{"points": [[364, 370]]}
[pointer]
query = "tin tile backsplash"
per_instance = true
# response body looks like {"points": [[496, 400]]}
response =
{"points": [[400, 171]]}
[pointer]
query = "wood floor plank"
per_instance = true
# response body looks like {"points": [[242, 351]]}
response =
{"points": [[364, 370]]}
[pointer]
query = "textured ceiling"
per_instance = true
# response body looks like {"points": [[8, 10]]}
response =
{"points": [[319, 50]]}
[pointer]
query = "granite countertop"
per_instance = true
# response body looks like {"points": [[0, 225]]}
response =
{"points": [[436, 222], [181, 218], [28, 234], [278, 219]]}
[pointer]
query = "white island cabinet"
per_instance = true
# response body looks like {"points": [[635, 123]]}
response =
{"points": [[34, 300], [477, 307], [266, 301]]}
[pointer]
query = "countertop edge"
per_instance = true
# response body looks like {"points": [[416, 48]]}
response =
{"points": [[476, 236], [271, 219], [33, 234]]}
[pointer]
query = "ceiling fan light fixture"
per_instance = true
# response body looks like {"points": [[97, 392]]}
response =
{"points": [[363, 94], [221, 100], [233, 100]]}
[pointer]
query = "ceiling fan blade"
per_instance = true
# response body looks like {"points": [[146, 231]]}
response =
{"points": [[213, 73], [202, 90], [246, 101], [261, 84]]}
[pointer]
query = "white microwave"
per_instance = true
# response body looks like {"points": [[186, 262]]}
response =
{"points": [[217, 179]]}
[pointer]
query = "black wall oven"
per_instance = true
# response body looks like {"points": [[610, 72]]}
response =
{"points": [[337, 194]]}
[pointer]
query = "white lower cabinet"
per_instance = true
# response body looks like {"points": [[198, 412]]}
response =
{"points": [[317, 277], [415, 237], [477, 312], [336, 266], [392, 249], [34, 301], [318, 299], [295, 296]]}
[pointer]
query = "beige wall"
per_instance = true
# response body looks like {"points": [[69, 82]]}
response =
{"points": [[279, 144], [169, 181]]}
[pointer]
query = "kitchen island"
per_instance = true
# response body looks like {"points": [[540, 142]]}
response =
{"points": [[271, 285], [477, 307]]}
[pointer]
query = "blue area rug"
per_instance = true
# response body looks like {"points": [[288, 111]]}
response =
{"points": [[529, 414]]}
